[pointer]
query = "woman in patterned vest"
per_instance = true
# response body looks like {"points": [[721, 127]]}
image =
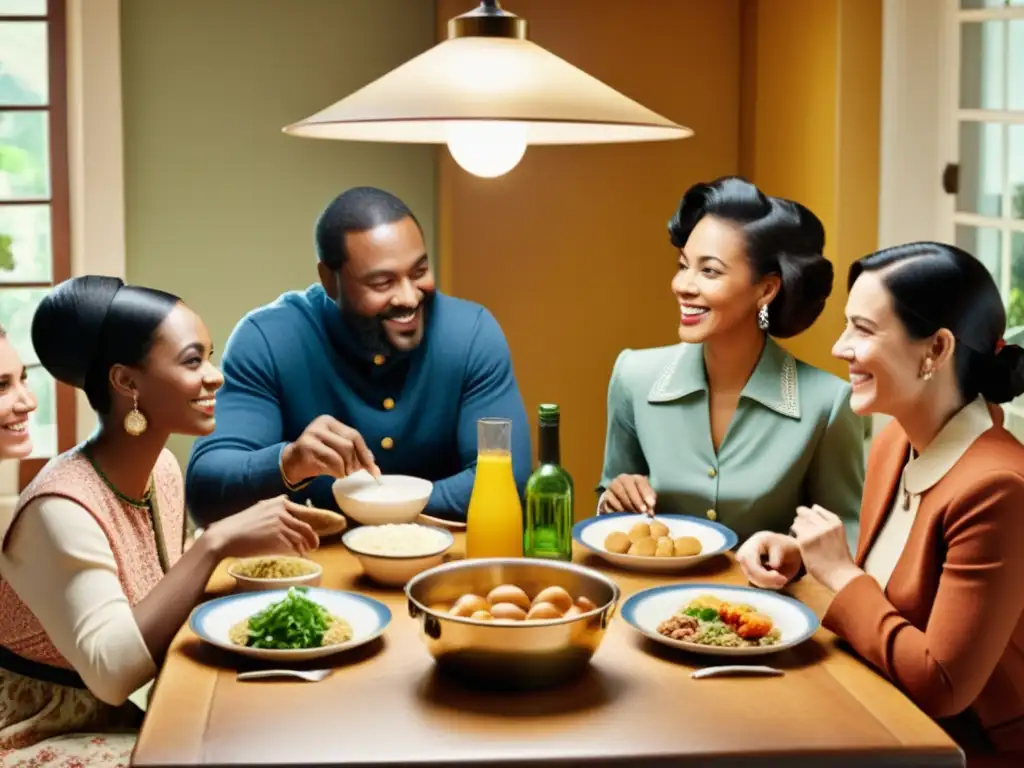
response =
{"points": [[95, 575]]}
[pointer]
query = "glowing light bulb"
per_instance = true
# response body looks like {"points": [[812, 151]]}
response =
{"points": [[487, 148]]}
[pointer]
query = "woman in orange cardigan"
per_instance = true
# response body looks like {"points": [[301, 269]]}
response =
{"points": [[934, 597]]}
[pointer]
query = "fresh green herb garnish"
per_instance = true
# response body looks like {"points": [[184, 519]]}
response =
{"points": [[289, 624], [704, 614]]}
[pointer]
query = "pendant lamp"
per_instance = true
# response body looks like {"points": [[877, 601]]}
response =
{"points": [[488, 93]]}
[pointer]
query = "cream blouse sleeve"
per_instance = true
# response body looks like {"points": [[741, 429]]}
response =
{"points": [[59, 562]]}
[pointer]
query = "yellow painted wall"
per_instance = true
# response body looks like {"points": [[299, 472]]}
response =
{"points": [[811, 129], [220, 203], [570, 250], [860, 127]]}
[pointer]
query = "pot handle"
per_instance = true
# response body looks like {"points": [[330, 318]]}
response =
{"points": [[606, 617]]}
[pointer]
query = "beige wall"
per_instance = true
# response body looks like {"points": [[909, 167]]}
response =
{"points": [[220, 204], [570, 250]]}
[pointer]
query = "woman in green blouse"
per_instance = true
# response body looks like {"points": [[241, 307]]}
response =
{"points": [[728, 425]]}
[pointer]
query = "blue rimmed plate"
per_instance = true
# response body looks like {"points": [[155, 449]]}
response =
{"points": [[647, 609], [213, 620], [714, 538]]}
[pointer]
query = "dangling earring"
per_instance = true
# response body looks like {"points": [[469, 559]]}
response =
{"points": [[134, 422], [927, 372], [762, 317]]}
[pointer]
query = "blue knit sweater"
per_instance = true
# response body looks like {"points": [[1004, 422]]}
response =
{"points": [[295, 359]]}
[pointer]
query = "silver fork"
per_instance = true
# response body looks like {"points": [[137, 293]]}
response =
{"points": [[310, 675]]}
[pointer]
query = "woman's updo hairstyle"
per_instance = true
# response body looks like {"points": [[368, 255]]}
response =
{"points": [[783, 238], [934, 286], [88, 324]]}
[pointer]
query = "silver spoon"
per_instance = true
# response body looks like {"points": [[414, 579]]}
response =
{"points": [[311, 675], [736, 669]]}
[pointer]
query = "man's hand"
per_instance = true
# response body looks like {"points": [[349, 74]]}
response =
{"points": [[326, 447]]}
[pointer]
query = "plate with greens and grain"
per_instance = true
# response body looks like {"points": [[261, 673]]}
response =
{"points": [[296, 624]]}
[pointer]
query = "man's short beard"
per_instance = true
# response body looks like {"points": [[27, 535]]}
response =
{"points": [[370, 330]]}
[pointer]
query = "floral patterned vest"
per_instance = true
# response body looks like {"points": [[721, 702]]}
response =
{"points": [[129, 529]]}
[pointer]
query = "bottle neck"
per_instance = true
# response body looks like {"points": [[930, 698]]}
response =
{"points": [[548, 449]]}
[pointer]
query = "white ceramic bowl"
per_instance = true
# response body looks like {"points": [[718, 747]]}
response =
{"points": [[212, 621], [245, 583], [396, 499], [714, 538], [645, 610], [396, 570]]}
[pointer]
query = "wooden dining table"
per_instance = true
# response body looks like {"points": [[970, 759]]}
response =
{"points": [[386, 704]]}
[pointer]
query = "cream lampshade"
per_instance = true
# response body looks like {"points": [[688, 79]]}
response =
{"points": [[488, 93]]}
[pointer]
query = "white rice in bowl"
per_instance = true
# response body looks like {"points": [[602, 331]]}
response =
{"points": [[397, 540], [384, 493]]}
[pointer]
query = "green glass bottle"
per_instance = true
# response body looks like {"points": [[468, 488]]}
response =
{"points": [[549, 492]]}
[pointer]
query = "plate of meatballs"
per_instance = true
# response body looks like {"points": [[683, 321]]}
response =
{"points": [[664, 543]]}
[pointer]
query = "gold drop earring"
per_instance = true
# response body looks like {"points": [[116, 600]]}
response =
{"points": [[134, 422], [926, 373]]}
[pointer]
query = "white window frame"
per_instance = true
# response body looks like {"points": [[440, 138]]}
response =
{"points": [[951, 117], [919, 131]]}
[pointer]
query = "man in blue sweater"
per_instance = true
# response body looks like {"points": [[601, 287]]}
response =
{"points": [[372, 368]]}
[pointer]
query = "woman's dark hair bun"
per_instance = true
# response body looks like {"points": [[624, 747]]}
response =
{"points": [[806, 285], [1001, 375], [68, 323], [88, 324], [783, 238]]}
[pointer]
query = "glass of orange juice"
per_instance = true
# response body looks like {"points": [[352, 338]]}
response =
{"points": [[494, 522]]}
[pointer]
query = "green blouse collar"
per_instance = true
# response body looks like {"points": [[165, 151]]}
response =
{"points": [[773, 383]]}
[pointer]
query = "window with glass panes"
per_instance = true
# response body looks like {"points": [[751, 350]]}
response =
{"points": [[34, 209], [986, 124]]}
